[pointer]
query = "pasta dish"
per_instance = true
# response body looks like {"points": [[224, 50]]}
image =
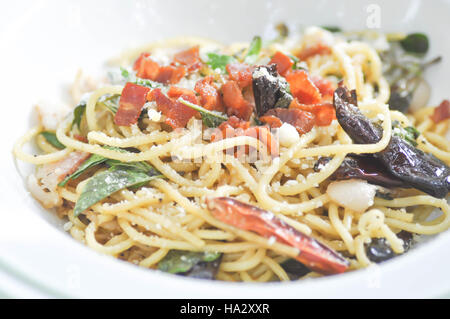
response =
{"points": [[310, 154]]}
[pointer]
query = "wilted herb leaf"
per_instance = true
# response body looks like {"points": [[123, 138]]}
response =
{"points": [[92, 161], [107, 183], [209, 118], [180, 261], [78, 114], [333, 29], [409, 134], [52, 139], [415, 43]]}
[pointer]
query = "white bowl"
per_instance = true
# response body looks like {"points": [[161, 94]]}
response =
{"points": [[43, 43]]}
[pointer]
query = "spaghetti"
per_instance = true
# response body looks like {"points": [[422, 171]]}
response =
{"points": [[152, 215]]}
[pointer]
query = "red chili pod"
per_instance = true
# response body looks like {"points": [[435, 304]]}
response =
{"points": [[313, 254]]}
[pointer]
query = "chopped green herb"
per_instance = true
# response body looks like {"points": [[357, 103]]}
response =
{"points": [[219, 61], [209, 118], [253, 50], [125, 73], [415, 43], [180, 261], [409, 134], [53, 140]]}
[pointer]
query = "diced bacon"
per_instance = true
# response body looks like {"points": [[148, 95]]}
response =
{"points": [[131, 102], [317, 49], [326, 87], [284, 63], [303, 88], [240, 73], [442, 112], [303, 121], [236, 127], [210, 97], [235, 102], [170, 74], [176, 92], [189, 58], [145, 67], [177, 114], [324, 112]]}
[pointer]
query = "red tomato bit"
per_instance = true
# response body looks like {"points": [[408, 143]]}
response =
{"points": [[303, 88], [145, 67], [177, 114], [303, 121], [284, 63], [326, 87], [235, 102], [236, 127], [240, 73], [210, 97], [324, 112]]}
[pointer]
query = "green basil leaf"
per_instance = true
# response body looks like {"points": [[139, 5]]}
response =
{"points": [[78, 114], [92, 161], [415, 43], [138, 166], [107, 183], [253, 50], [219, 61], [180, 261], [209, 118], [53, 140]]}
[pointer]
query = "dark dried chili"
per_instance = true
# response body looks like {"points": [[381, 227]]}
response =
{"points": [[416, 168]]}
